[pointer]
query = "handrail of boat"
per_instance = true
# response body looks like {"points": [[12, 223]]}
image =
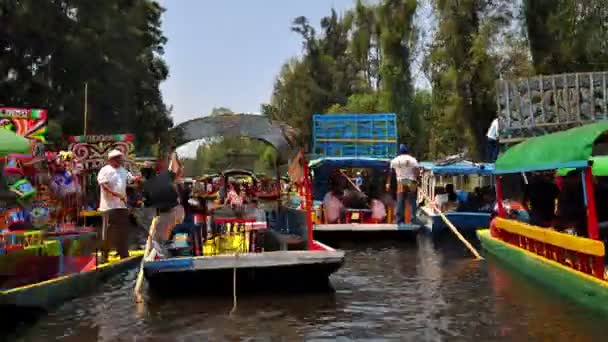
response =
{"points": [[585, 255]]}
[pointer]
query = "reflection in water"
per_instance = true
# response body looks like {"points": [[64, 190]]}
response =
{"points": [[397, 291]]}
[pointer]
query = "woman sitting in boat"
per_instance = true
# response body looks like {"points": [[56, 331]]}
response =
{"points": [[540, 195], [234, 197], [332, 202], [446, 198], [377, 207], [571, 211]]}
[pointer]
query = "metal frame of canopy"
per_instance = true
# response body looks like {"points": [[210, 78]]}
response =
{"points": [[275, 133], [431, 170]]}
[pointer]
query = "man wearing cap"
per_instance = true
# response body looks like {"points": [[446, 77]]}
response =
{"points": [[405, 168], [112, 180]]}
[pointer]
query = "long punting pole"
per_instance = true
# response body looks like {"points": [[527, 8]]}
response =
{"points": [[86, 119], [308, 199], [592, 225], [499, 199]]}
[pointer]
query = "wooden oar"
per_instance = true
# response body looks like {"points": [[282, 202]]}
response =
{"points": [[140, 275], [455, 231]]}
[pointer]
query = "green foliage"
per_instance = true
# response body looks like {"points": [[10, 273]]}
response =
{"points": [[232, 152], [51, 48], [359, 63], [567, 35]]}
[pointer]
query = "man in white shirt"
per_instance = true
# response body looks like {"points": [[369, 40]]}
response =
{"points": [[492, 147], [112, 180], [405, 168]]}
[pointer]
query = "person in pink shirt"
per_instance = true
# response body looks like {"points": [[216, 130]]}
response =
{"points": [[332, 202]]}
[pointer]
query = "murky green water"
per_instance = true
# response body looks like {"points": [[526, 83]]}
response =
{"points": [[405, 292]]}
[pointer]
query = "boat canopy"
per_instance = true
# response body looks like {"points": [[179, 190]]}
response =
{"points": [[572, 148], [12, 143], [459, 168], [349, 162], [237, 172], [275, 133], [323, 168], [599, 168]]}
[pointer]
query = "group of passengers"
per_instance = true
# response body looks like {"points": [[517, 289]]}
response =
{"points": [[479, 200], [344, 194], [559, 202]]}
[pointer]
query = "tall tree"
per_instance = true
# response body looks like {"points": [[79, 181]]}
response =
{"points": [[463, 73], [115, 46], [567, 35]]}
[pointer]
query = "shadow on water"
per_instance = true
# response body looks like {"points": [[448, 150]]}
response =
{"points": [[423, 291]]}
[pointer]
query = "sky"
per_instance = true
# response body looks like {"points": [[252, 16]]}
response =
{"points": [[227, 53]]}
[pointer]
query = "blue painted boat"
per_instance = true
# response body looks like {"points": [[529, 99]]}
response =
{"points": [[436, 174], [357, 222]]}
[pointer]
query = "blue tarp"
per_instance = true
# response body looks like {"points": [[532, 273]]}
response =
{"points": [[349, 162], [459, 168]]}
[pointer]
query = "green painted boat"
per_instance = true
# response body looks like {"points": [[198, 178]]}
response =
{"points": [[579, 287], [48, 294], [571, 265]]}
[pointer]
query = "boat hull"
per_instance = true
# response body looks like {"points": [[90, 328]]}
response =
{"points": [[255, 272], [465, 222], [577, 286], [51, 293], [365, 232]]}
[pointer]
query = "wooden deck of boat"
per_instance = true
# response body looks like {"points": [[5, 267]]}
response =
{"points": [[365, 227], [246, 260]]}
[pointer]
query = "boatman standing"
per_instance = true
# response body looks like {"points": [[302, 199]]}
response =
{"points": [[405, 168], [492, 135], [359, 180], [113, 179]]}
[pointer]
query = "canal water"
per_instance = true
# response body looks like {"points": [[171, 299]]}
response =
{"points": [[416, 291]]}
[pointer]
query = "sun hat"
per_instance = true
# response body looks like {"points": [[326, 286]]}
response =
{"points": [[114, 154]]}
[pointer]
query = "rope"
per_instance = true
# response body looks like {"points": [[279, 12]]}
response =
{"points": [[234, 302], [455, 231]]}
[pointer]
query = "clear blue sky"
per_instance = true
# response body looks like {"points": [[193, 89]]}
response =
{"points": [[228, 52]]}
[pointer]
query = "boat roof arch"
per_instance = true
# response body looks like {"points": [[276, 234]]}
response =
{"points": [[258, 127], [464, 167], [572, 148]]}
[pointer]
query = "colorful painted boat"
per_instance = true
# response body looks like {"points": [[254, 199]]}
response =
{"points": [[48, 294], [572, 265], [237, 250], [357, 223], [459, 174]]}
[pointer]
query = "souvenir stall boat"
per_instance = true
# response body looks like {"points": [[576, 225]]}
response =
{"points": [[573, 266], [45, 258], [471, 182], [233, 251]]}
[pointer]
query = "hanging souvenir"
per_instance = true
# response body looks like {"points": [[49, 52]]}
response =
{"points": [[64, 184], [16, 219], [24, 190], [13, 166], [40, 217]]}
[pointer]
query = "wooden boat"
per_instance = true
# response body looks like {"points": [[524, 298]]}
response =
{"points": [[357, 223], [466, 219], [572, 265], [50, 293], [234, 249]]}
